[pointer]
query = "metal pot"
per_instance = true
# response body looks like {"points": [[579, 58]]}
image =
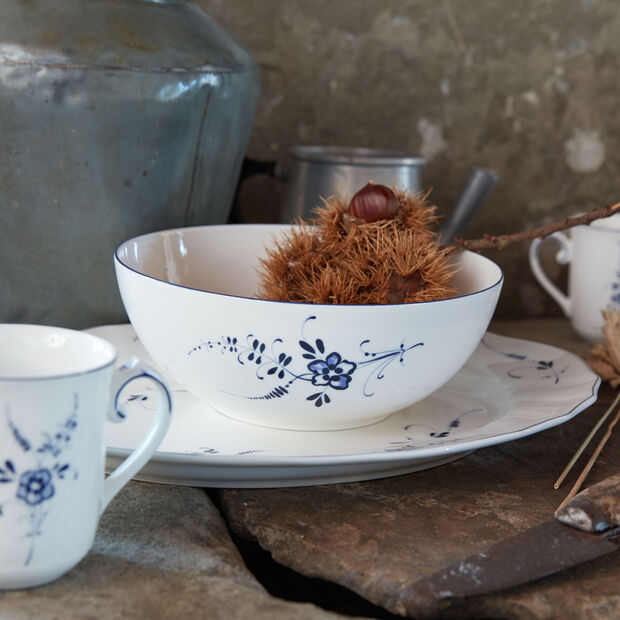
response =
{"points": [[318, 172]]}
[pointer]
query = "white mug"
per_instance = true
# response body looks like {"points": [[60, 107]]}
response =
{"points": [[57, 387], [594, 273]]}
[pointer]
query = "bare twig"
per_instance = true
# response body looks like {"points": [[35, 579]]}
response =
{"points": [[492, 242], [586, 442], [588, 467]]}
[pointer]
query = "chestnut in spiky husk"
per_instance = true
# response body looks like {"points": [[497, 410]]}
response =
{"points": [[380, 248]]}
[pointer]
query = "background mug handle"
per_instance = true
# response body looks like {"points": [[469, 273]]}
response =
{"points": [[562, 257], [132, 370]]}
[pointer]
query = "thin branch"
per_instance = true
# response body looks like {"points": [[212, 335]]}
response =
{"points": [[588, 467], [492, 242], [586, 442]]}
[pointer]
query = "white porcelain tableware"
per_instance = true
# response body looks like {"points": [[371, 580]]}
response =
{"points": [[508, 389], [189, 294], [57, 388], [593, 255]]}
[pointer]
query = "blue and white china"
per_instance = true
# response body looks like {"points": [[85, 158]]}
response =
{"points": [[508, 389], [57, 388], [593, 255], [191, 296]]}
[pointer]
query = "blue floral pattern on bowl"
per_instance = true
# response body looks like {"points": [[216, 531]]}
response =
{"points": [[325, 369], [36, 483], [333, 372]]}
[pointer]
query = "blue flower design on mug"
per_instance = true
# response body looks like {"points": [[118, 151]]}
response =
{"points": [[35, 486], [42, 463], [333, 372]]}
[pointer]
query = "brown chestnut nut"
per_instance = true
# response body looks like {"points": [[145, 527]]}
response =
{"points": [[373, 202]]}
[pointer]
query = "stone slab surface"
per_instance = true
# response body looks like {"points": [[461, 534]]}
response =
{"points": [[378, 537], [160, 552]]}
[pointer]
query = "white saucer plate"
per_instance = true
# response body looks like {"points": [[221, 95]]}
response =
{"points": [[509, 388]]}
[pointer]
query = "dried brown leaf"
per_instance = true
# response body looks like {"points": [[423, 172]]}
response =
{"points": [[604, 357], [611, 335]]}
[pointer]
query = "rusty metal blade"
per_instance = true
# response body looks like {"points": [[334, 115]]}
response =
{"points": [[529, 555]]}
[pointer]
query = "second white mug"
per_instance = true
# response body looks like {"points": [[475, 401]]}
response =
{"points": [[593, 255]]}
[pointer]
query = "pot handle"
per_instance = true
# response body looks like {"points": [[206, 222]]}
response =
{"points": [[479, 185], [132, 370], [562, 257]]}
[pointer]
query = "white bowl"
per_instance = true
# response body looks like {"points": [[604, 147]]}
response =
{"points": [[190, 295]]}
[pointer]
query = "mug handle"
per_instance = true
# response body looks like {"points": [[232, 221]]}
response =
{"points": [[139, 457], [562, 257]]}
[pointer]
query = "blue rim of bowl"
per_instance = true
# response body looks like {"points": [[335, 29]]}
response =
{"points": [[295, 303]]}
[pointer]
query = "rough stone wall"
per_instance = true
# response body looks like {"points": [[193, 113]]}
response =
{"points": [[527, 87]]}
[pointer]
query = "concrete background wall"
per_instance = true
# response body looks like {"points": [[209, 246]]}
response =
{"points": [[527, 87]]}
